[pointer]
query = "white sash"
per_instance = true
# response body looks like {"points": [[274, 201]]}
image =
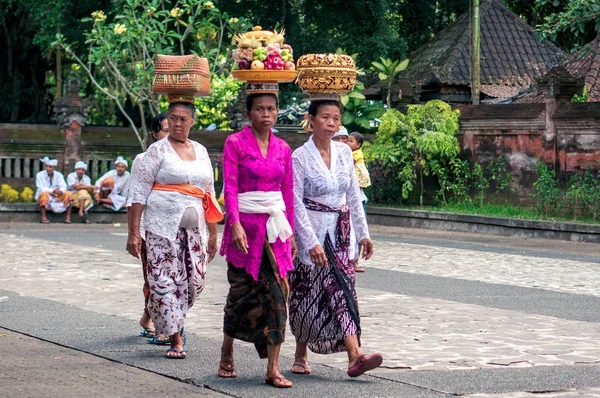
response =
{"points": [[271, 203]]}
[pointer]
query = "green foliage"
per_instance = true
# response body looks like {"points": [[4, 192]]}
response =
{"points": [[418, 143], [358, 112], [480, 183], [213, 109], [583, 97], [579, 19], [387, 70], [547, 192], [584, 190], [121, 50], [500, 178]]}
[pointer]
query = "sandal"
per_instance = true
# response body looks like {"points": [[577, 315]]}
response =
{"points": [[44, 221], [227, 370], [364, 363], [67, 221], [301, 368], [148, 333], [359, 269], [160, 340], [180, 354], [278, 382]]}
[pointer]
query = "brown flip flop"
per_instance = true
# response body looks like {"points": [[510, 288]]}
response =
{"points": [[364, 363], [301, 368], [278, 382], [227, 370]]}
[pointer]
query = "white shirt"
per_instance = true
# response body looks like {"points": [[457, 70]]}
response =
{"points": [[120, 190], [332, 187], [164, 210], [120, 181], [135, 168], [73, 179], [43, 183]]}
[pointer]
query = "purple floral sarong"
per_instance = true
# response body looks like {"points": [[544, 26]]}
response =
{"points": [[176, 271], [323, 305]]}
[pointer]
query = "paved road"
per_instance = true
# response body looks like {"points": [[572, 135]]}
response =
{"points": [[453, 314]]}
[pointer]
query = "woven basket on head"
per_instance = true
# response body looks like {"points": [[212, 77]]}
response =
{"points": [[326, 73], [185, 75]]}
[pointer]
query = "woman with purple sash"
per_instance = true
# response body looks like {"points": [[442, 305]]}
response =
{"points": [[324, 314]]}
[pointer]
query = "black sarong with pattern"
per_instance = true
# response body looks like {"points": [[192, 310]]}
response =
{"points": [[323, 303], [256, 311]]}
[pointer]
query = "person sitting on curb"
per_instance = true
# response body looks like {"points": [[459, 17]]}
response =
{"points": [[51, 193], [112, 187], [80, 186]]}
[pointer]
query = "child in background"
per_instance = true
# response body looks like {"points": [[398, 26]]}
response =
{"points": [[355, 141]]}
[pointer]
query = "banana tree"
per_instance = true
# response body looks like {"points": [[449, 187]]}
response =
{"points": [[387, 72]]}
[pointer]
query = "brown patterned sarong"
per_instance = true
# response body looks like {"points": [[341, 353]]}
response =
{"points": [[256, 311]]}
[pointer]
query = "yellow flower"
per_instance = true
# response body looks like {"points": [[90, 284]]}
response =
{"points": [[209, 5], [176, 12], [233, 20], [120, 29], [98, 16], [7, 194], [27, 195]]}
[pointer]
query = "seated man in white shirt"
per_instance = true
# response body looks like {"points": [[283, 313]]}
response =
{"points": [[80, 185], [112, 187], [51, 193]]}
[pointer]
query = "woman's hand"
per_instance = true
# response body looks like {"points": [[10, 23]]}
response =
{"points": [[366, 246], [293, 247], [238, 237], [212, 247], [317, 256], [134, 244]]}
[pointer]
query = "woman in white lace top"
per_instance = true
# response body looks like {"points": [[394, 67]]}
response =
{"points": [[174, 180], [328, 215]]}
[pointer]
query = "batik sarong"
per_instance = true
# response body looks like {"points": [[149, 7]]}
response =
{"points": [[176, 271], [256, 311], [323, 303]]}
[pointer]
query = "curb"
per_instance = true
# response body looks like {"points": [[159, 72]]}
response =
{"points": [[483, 224], [30, 212]]}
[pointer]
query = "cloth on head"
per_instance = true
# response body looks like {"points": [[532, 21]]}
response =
{"points": [[49, 162], [342, 132], [81, 165], [121, 161]]}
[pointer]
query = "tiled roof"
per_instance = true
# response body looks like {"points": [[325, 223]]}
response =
{"points": [[586, 64], [511, 54]]}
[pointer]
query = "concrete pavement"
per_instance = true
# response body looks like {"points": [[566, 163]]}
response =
{"points": [[457, 314]]}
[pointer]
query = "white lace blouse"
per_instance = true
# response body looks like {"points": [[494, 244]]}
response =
{"points": [[332, 187], [164, 210]]}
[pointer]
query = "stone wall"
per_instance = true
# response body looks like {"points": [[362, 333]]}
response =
{"points": [[565, 136]]}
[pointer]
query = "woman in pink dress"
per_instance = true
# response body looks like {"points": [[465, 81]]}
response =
{"points": [[258, 238]]}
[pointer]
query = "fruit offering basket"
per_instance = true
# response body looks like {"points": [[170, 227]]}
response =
{"points": [[186, 75], [262, 56], [326, 73]]}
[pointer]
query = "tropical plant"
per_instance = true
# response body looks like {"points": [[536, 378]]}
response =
{"points": [[387, 72], [27, 195], [417, 143], [358, 112], [121, 51]]}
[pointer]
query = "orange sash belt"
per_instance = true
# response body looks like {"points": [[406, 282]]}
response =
{"points": [[212, 210]]}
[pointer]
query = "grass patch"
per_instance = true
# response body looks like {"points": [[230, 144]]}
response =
{"points": [[496, 210]]}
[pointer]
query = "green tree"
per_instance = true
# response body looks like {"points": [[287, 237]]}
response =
{"points": [[121, 52], [415, 143], [578, 19]]}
